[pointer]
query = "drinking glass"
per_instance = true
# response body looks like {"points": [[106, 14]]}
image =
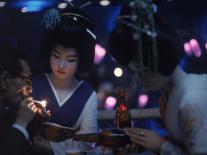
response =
{"points": [[74, 148]]}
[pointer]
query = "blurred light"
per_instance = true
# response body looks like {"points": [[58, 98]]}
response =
{"points": [[118, 72], [154, 7], [206, 46], [187, 48], [110, 102], [43, 103], [24, 9], [85, 4], [195, 47], [142, 100], [104, 2], [100, 52], [2, 4], [33, 5], [62, 5]]}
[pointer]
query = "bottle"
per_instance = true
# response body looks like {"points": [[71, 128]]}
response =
{"points": [[122, 117]]}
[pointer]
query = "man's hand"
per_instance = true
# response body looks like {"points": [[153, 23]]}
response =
{"points": [[26, 111]]}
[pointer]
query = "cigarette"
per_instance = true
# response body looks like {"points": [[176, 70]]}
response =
{"points": [[39, 102]]}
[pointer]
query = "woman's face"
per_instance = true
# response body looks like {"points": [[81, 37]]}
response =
{"points": [[63, 62], [20, 86], [150, 80]]}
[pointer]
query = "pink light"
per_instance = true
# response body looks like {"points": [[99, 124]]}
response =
{"points": [[193, 42], [187, 48], [195, 47], [142, 100], [100, 52], [110, 102], [206, 46]]}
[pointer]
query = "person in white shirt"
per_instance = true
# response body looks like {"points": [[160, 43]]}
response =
{"points": [[184, 109]]}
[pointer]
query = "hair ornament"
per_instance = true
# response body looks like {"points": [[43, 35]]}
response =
{"points": [[51, 19]]}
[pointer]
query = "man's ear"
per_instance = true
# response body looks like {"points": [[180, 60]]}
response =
{"points": [[3, 80]]}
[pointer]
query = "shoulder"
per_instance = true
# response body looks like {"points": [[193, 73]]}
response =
{"points": [[87, 86], [193, 96]]}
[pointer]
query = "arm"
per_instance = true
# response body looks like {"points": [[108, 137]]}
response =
{"points": [[22, 129], [14, 138], [192, 122], [88, 122], [15, 143]]}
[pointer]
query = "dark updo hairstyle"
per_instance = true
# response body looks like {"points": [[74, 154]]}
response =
{"points": [[123, 46], [70, 28]]}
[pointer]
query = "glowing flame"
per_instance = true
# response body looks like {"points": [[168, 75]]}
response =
{"points": [[43, 103]]}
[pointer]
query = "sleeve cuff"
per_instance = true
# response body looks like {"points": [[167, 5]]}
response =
{"points": [[22, 129]]}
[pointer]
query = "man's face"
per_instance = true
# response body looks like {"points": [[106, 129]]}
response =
{"points": [[150, 80], [19, 86]]}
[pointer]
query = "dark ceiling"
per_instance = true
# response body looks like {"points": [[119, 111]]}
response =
{"points": [[189, 17]]}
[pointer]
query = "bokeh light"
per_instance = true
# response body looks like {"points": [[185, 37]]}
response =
{"points": [[100, 52], [118, 72], [143, 100], [110, 102]]}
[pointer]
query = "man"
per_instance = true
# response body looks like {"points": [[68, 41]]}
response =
{"points": [[16, 107], [184, 110]]}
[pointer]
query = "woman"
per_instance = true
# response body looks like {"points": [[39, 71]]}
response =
{"points": [[184, 109], [68, 48]]}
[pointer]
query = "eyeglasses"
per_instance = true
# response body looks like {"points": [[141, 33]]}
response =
{"points": [[26, 79]]}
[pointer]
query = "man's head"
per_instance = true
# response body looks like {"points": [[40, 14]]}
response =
{"points": [[15, 75]]}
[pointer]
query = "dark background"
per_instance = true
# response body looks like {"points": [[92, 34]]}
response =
{"points": [[189, 17]]}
